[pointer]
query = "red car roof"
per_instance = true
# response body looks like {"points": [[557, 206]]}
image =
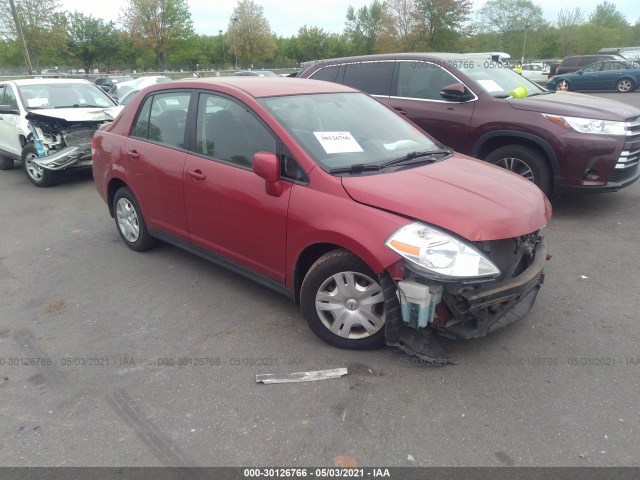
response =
{"points": [[263, 86]]}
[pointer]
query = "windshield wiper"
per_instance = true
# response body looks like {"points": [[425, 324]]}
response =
{"points": [[419, 157], [356, 168], [77, 105]]}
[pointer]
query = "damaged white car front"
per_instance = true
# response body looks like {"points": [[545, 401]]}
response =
{"points": [[61, 139], [48, 124]]}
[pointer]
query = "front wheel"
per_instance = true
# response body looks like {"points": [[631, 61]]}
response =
{"points": [[562, 86], [343, 302], [40, 177], [524, 161], [625, 85], [129, 221]]}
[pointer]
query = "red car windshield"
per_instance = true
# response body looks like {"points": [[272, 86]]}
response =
{"points": [[344, 129]]}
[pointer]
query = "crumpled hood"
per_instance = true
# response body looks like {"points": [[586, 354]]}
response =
{"points": [[75, 115], [469, 197], [575, 105]]}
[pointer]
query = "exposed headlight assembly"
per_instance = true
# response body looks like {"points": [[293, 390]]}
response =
{"points": [[440, 255], [589, 125]]}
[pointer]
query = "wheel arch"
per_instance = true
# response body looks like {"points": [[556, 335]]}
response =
{"points": [[490, 141], [633, 83], [114, 185], [311, 253]]}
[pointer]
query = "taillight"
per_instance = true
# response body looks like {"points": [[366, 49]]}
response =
{"points": [[94, 143]]}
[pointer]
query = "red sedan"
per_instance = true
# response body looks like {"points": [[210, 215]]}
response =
{"points": [[379, 233]]}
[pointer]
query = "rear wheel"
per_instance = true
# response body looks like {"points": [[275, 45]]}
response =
{"points": [[6, 163], [625, 85], [524, 161], [129, 221], [40, 177], [343, 302]]}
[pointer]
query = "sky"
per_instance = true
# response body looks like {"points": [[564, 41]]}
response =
{"points": [[287, 16]]}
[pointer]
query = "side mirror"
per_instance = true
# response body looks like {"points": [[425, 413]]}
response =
{"points": [[267, 165], [7, 110], [456, 92]]}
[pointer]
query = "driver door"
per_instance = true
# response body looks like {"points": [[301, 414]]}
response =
{"points": [[228, 209], [9, 135]]}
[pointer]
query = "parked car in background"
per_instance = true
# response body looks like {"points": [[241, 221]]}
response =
{"points": [[126, 98], [52, 73], [47, 124], [631, 54], [617, 75], [574, 63], [561, 142], [255, 73], [120, 89], [325, 195], [107, 82], [536, 72]]}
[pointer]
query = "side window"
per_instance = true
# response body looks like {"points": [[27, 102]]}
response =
{"points": [[613, 65], [371, 77], [10, 97], [588, 60], [594, 67], [141, 127], [422, 80], [163, 118], [328, 74], [570, 62], [226, 131]]}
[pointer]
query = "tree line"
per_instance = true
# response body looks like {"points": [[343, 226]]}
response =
{"points": [[159, 35]]}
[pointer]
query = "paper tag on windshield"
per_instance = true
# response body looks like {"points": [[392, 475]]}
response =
{"points": [[490, 86], [338, 142], [38, 102]]}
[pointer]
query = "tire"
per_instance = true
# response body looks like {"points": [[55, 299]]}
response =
{"points": [[6, 163], [625, 85], [561, 86], [524, 161], [40, 177], [330, 309], [130, 222]]}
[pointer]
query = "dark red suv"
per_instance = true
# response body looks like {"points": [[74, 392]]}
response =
{"points": [[563, 142], [316, 190]]}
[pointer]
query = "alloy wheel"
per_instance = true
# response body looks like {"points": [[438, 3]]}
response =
{"points": [[516, 165]]}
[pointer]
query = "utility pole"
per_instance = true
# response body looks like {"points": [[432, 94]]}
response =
{"points": [[524, 45], [23, 44], [235, 38], [224, 55]]}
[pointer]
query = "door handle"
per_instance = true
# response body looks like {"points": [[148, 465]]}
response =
{"points": [[196, 174], [133, 154], [400, 111]]}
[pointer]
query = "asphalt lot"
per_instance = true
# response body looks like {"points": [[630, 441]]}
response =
{"points": [[559, 388]]}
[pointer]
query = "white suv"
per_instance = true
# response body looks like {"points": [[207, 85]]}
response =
{"points": [[48, 124]]}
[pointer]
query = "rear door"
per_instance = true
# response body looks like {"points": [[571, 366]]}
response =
{"points": [[612, 72], [228, 209], [155, 155], [416, 94]]}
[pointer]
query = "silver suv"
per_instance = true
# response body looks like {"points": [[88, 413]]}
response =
{"points": [[48, 124]]}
